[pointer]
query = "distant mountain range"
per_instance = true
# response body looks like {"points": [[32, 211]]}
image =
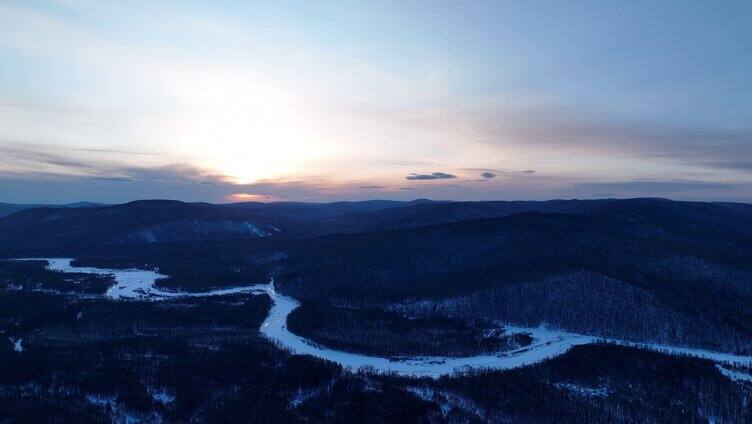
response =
{"points": [[166, 220], [11, 208]]}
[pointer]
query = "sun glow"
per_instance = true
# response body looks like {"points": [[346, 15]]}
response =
{"points": [[249, 197], [249, 131]]}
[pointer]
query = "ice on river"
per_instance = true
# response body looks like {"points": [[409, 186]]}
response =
{"points": [[131, 283], [546, 344]]}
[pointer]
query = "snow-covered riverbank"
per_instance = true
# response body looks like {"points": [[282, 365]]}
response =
{"points": [[546, 344], [131, 283]]}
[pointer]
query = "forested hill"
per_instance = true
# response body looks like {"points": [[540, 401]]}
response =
{"points": [[627, 272], [141, 221], [155, 221]]}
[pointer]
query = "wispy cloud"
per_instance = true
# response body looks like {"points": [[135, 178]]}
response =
{"points": [[744, 166], [120, 179], [109, 165], [431, 176], [568, 132], [640, 187]]}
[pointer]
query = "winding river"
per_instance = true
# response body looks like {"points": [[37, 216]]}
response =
{"points": [[546, 344]]}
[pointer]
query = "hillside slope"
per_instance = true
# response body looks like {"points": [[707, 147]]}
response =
{"points": [[673, 272], [140, 221]]}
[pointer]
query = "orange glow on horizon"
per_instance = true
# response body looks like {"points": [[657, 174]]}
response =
{"points": [[249, 197]]}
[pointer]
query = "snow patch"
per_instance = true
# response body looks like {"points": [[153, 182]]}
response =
{"points": [[162, 396], [16, 342], [101, 400], [737, 376], [582, 390], [302, 395]]}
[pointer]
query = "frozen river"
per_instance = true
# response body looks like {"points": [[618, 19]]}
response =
{"points": [[546, 344]]}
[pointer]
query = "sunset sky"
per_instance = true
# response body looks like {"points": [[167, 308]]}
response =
{"points": [[317, 101]]}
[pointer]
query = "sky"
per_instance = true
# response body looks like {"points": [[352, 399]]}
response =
{"points": [[221, 101]]}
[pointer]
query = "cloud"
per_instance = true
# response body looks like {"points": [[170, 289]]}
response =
{"points": [[432, 176], [120, 179], [650, 187], [745, 166], [552, 130], [96, 164], [488, 175], [563, 129], [51, 174], [175, 172], [37, 158]]}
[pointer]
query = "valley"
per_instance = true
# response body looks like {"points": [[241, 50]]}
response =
{"points": [[617, 311], [544, 344]]}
